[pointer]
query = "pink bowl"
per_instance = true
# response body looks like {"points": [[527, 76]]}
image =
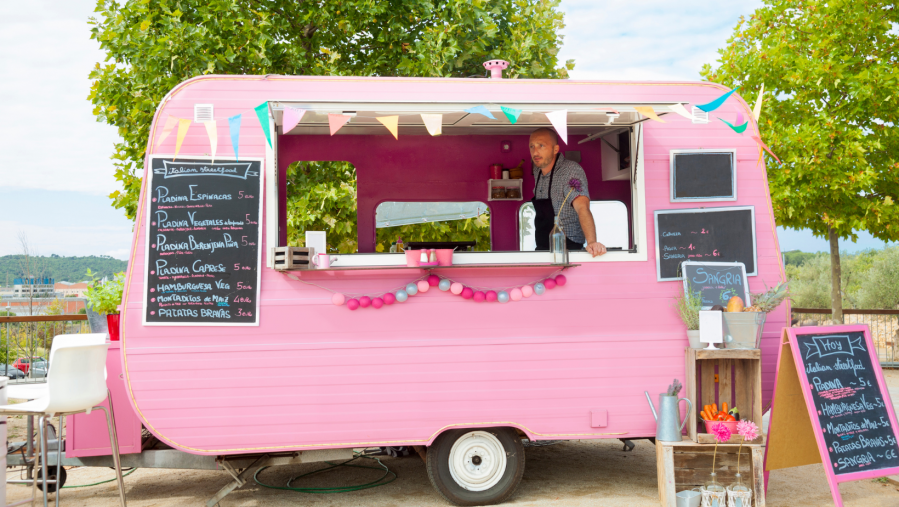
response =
{"points": [[413, 258], [444, 256], [731, 425]]}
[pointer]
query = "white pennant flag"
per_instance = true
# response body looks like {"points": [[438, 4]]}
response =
{"points": [[433, 122], [212, 132], [681, 110], [559, 120], [757, 110]]}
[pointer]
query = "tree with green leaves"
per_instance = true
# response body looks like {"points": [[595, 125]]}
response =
{"points": [[152, 45], [830, 113]]}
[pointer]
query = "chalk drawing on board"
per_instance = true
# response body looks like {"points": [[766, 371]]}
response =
{"points": [[823, 346]]}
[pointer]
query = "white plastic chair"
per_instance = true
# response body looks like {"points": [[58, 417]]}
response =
{"points": [[35, 391], [76, 383]]}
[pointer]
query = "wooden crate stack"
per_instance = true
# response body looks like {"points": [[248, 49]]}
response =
{"points": [[288, 258]]}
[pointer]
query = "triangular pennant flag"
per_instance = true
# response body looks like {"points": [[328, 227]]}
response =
{"points": [[213, 137], [681, 110], [480, 110], [739, 119], [757, 110], [292, 116], [559, 120], [433, 122], [234, 128], [262, 114], [170, 123], [391, 123], [648, 112], [761, 153], [739, 129], [763, 145], [335, 121], [511, 113], [183, 125], [715, 104]]}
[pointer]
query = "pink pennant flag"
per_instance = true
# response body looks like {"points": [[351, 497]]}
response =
{"points": [[765, 146], [392, 124], [170, 123], [739, 119], [559, 120], [649, 112], [183, 125], [335, 121], [213, 134], [292, 116]]}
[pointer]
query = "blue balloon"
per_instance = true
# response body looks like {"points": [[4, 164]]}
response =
{"points": [[412, 289], [539, 288], [444, 285], [401, 295], [502, 297]]}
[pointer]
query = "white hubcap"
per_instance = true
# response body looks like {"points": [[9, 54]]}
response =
{"points": [[477, 461]]}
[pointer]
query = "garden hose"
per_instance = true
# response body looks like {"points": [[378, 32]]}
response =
{"points": [[335, 489], [126, 474]]}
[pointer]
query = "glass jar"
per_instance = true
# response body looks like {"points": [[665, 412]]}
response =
{"points": [[558, 244], [713, 493], [738, 494]]}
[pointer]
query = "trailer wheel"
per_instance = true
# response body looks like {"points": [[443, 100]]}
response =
{"points": [[476, 467], [51, 488]]}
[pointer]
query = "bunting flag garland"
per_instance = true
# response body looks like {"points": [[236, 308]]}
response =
{"points": [[681, 110], [170, 123], [559, 120], [183, 125], [481, 110], [757, 110], [765, 146], [262, 114], [739, 119], [715, 104], [213, 137], [649, 112], [739, 129], [234, 128], [433, 122], [511, 113], [392, 124], [291, 118], [335, 121], [761, 154]]}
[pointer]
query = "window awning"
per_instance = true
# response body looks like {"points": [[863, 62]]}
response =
{"points": [[392, 214]]}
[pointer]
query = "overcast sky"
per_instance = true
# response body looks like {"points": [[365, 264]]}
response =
{"points": [[56, 174]]}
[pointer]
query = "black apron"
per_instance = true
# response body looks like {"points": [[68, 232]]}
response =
{"points": [[546, 215]]}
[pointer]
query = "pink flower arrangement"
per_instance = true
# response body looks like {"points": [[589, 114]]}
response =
{"points": [[748, 430], [721, 432]]}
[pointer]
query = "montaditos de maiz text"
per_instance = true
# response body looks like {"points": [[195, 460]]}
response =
{"points": [[203, 242], [851, 408]]}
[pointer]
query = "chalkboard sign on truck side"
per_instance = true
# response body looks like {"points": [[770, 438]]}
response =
{"points": [[716, 282], [203, 251], [724, 234], [703, 175], [831, 405]]}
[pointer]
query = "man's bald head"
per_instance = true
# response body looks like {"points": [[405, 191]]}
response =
{"points": [[544, 146], [545, 131]]}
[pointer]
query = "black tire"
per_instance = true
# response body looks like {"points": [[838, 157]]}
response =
{"points": [[51, 488], [442, 479]]}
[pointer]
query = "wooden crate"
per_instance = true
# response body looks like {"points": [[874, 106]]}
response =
{"points": [[687, 465], [738, 370], [291, 257]]}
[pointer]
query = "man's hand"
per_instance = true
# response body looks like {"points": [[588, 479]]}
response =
{"points": [[596, 248]]}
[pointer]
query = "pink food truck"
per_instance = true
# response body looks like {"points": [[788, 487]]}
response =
{"points": [[239, 349]]}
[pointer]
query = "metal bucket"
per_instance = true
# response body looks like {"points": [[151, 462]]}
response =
{"points": [[743, 330]]}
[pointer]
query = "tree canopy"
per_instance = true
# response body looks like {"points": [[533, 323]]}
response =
{"points": [[152, 45]]}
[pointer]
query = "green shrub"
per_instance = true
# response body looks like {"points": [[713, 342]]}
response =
{"points": [[105, 297]]}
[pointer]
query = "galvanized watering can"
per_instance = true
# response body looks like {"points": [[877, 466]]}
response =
{"points": [[667, 427]]}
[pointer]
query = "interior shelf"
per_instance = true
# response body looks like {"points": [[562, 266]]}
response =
{"points": [[506, 185]]}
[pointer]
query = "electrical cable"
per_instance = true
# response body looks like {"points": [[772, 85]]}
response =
{"points": [[126, 474], [334, 489]]}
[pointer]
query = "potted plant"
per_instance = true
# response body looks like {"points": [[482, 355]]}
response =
{"points": [[105, 298], [688, 306]]}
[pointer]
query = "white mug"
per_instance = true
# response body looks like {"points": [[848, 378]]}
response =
{"points": [[322, 261]]}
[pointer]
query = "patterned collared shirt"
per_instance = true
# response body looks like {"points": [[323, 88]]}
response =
{"points": [[564, 171]]}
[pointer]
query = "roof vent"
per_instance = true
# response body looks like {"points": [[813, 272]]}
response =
{"points": [[496, 68], [699, 116], [202, 113]]}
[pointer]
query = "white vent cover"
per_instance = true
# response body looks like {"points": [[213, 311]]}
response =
{"points": [[699, 116], [202, 112]]}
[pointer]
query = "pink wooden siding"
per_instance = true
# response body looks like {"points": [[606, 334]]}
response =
{"points": [[327, 377]]}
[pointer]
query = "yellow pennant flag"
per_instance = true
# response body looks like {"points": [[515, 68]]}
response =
{"points": [[757, 110], [183, 125], [391, 122], [648, 112], [170, 123], [213, 137], [433, 122]]}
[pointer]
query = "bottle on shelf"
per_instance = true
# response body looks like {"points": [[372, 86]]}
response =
{"points": [[399, 245], [558, 244]]}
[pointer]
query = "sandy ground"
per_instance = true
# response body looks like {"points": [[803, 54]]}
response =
{"points": [[574, 473]]}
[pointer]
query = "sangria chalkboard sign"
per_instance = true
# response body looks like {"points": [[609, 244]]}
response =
{"points": [[203, 242], [704, 234], [716, 282]]}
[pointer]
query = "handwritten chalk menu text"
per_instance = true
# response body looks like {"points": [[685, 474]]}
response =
{"points": [[203, 243], [716, 282], [704, 234], [851, 408]]}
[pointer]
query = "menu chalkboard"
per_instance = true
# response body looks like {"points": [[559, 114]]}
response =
{"points": [[704, 234], [716, 282], [851, 407], [203, 242], [703, 176]]}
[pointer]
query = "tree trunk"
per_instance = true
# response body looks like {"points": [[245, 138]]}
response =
{"points": [[836, 298]]}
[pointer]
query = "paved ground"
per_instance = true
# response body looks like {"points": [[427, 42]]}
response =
{"points": [[576, 473]]}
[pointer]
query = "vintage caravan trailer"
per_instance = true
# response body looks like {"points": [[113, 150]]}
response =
{"points": [[467, 380]]}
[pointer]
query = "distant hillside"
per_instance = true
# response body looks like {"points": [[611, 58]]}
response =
{"points": [[63, 269]]}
